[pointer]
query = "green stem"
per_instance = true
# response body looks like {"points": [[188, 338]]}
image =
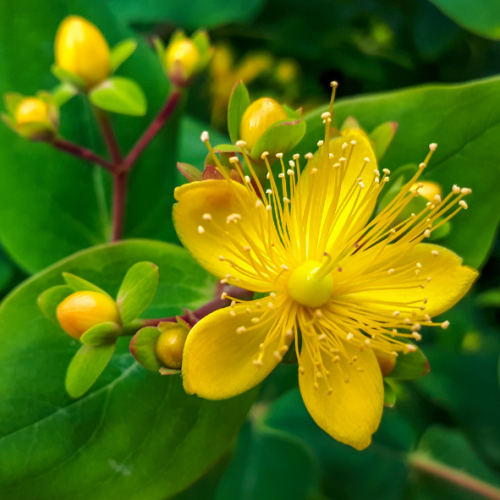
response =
{"points": [[462, 479]]}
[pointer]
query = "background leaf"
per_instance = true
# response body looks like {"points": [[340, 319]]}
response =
{"points": [[136, 434]]}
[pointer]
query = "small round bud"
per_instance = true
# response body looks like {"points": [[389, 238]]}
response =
{"points": [[181, 60], [258, 117], [83, 310], [170, 346], [82, 50], [32, 110], [428, 189]]}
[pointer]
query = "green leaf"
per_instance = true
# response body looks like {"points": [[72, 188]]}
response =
{"points": [[490, 298], [389, 395], [80, 285], [67, 77], [136, 434], [446, 466], [382, 137], [238, 103], [481, 16], [410, 366], [137, 290], [86, 366], [262, 452], [281, 137], [51, 298], [119, 95], [63, 93], [462, 142], [65, 220], [143, 347], [104, 333], [121, 52]]}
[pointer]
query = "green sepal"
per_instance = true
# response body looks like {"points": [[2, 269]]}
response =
{"points": [[80, 285], [489, 298], [294, 114], [35, 131], [280, 137], [410, 366], [143, 348], [121, 52], [168, 371], [201, 41], [441, 232], [119, 95], [137, 290], [389, 395], [86, 366], [66, 76], [12, 101], [381, 137], [63, 93], [238, 103], [159, 47], [350, 123], [104, 333], [51, 298], [227, 148], [190, 172]]}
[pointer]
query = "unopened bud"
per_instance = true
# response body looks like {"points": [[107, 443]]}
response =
{"points": [[258, 117], [429, 190], [181, 59], [83, 310], [170, 344], [81, 49]]}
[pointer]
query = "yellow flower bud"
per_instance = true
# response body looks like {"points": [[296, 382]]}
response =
{"points": [[170, 346], [386, 361], [429, 190], [32, 110], [258, 117], [83, 310], [81, 49], [183, 56]]}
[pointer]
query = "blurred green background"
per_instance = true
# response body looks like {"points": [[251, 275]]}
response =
{"points": [[442, 437]]}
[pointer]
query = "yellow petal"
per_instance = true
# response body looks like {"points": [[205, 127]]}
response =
{"points": [[352, 412], [449, 282], [354, 204], [215, 242], [218, 362]]}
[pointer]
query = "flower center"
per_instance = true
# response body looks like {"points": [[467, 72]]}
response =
{"points": [[307, 287]]}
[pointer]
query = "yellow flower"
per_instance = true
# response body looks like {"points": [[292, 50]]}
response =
{"points": [[81, 49], [338, 286]]}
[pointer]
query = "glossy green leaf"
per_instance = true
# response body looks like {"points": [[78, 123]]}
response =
{"points": [[256, 470], [104, 333], [81, 285], [119, 95], [281, 137], [480, 16], [137, 290], [410, 366], [439, 113], [135, 434], [121, 52], [238, 103], [69, 199], [143, 347], [191, 15], [51, 298], [86, 366]]}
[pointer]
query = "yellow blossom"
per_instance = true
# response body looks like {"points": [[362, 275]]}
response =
{"points": [[340, 286]]}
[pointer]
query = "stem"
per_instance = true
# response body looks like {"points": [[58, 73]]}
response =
{"points": [[119, 204], [81, 152], [193, 317], [109, 136], [163, 115], [456, 477]]}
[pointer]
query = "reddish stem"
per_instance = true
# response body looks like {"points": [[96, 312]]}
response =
{"points": [[109, 136], [81, 152], [119, 205], [163, 115]]}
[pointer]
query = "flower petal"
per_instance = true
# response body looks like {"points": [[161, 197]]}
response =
{"points": [[352, 412], [211, 237], [218, 362], [449, 282], [354, 204]]}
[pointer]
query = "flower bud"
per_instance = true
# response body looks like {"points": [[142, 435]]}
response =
{"points": [[386, 361], [429, 190], [32, 110], [258, 117], [83, 310], [181, 59], [82, 50], [170, 344]]}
